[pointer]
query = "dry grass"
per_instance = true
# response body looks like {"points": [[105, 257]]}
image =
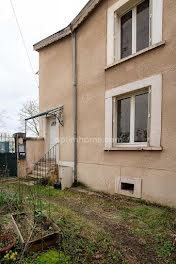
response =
{"points": [[100, 228]]}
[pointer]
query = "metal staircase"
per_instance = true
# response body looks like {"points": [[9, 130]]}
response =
{"points": [[46, 168]]}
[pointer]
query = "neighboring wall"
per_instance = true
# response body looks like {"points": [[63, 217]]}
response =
{"points": [[96, 167], [34, 151]]}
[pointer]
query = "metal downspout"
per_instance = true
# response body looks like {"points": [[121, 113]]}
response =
{"points": [[75, 107]]}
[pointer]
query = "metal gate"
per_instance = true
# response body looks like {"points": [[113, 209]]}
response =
{"points": [[8, 156]]}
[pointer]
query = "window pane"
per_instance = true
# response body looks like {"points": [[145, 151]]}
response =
{"points": [[126, 35], [123, 120], [141, 117], [142, 37]]}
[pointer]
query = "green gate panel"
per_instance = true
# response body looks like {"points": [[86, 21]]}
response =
{"points": [[8, 165]]}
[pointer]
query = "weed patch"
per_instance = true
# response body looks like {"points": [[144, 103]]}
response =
{"points": [[10, 202], [99, 228]]}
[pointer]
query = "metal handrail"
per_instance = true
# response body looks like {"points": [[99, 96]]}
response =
{"points": [[47, 160], [46, 153]]}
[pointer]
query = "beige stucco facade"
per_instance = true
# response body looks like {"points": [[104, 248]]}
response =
{"points": [[34, 151], [97, 167], [34, 148]]}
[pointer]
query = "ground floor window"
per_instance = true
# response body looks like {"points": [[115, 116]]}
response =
{"points": [[132, 117]]}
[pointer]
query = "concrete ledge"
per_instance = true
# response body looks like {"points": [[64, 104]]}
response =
{"points": [[66, 163], [136, 54], [134, 148]]}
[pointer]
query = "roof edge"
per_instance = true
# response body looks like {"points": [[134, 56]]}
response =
{"points": [[89, 7]]}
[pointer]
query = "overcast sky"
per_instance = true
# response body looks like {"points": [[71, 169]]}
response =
{"points": [[38, 19]]}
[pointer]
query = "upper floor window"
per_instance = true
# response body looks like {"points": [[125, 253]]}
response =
{"points": [[143, 39], [126, 34], [134, 29], [132, 26]]}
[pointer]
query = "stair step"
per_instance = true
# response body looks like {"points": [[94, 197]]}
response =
{"points": [[32, 176], [46, 165], [39, 168], [48, 161], [30, 183], [40, 173], [43, 172]]}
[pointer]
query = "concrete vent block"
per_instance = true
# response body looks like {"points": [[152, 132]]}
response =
{"points": [[129, 186]]}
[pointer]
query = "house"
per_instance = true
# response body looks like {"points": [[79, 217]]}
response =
{"points": [[113, 73]]}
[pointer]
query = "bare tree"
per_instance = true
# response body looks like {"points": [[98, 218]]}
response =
{"points": [[29, 109]]}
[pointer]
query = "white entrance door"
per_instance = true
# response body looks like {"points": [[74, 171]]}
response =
{"points": [[52, 132]]}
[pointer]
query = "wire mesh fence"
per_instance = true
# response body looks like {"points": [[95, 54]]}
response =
{"points": [[7, 143]]}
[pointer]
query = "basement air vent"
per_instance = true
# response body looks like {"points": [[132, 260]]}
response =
{"points": [[127, 186]]}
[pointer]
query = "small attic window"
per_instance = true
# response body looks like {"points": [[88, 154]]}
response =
{"points": [[127, 186]]}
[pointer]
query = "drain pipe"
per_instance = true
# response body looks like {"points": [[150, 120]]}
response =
{"points": [[75, 107]]}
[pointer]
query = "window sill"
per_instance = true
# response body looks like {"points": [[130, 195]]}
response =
{"points": [[134, 148], [136, 54]]}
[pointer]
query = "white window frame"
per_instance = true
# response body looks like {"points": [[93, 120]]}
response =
{"points": [[132, 118], [154, 127], [113, 26], [117, 30]]}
